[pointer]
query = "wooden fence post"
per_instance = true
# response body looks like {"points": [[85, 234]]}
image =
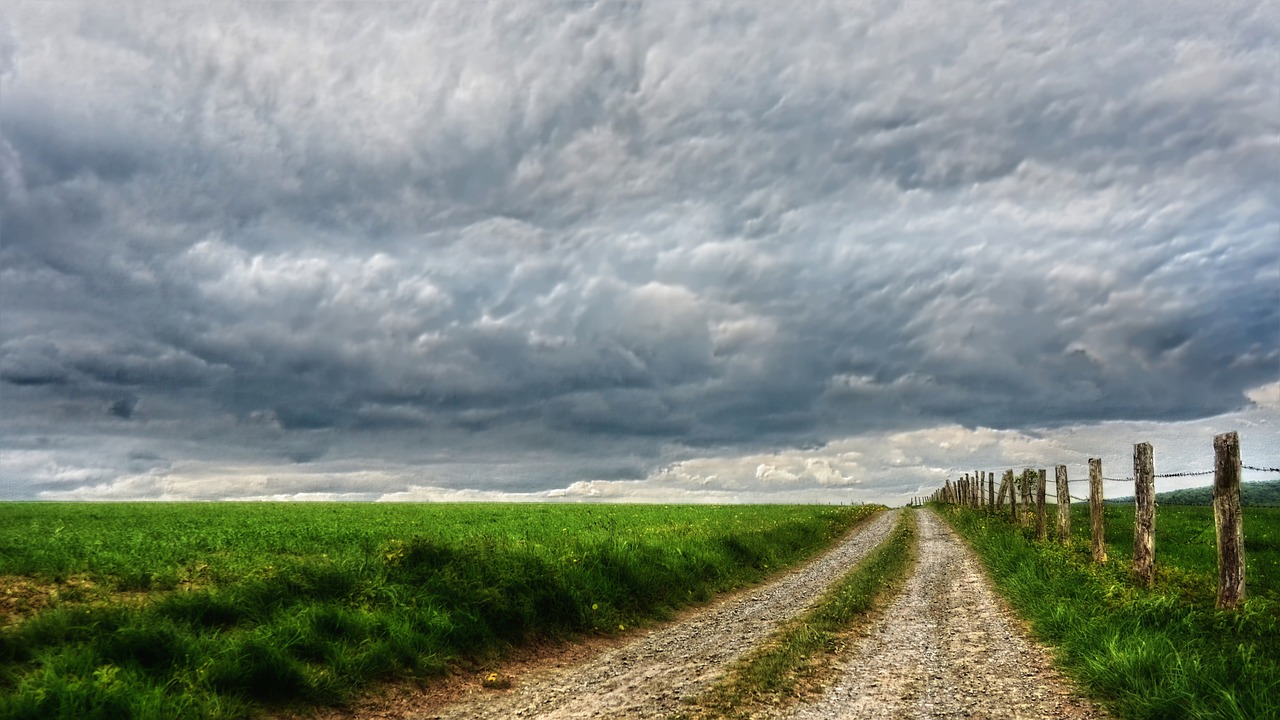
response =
{"points": [[1042, 531], [1144, 514], [1014, 517], [1026, 498], [1064, 505], [991, 491], [1227, 520], [1097, 528], [1004, 488]]}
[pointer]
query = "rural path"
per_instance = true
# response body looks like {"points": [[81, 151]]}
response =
{"points": [[946, 648], [649, 677]]}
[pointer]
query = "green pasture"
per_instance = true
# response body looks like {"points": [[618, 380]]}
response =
{"points": [[219, 610]]}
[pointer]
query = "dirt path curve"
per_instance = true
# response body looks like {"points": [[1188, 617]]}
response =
{"points": [[946, 648], [648, 678]]}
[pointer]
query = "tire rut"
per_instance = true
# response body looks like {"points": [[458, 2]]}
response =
{"points": [[947, 648], [651, 676]]}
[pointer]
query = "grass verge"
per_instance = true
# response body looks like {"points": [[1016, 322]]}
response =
{"points": [[235, 608], [794, 661], [1161, 653]]}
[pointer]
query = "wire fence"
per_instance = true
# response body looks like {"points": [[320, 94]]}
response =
{"points": [[978, 491], [1190, 473]]}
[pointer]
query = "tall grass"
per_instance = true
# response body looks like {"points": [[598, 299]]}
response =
{"points": [[1163, 652], [214, 611]]}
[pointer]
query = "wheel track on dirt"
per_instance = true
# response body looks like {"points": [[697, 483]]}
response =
{"points": [[947, 648]]}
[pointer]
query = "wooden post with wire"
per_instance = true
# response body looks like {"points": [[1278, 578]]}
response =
{"points": [[991, 491], [1042, 531], [1227, 519], [1097, 527], [1064, 505], [1026, 497], [1144, 514], [1014, 516]]}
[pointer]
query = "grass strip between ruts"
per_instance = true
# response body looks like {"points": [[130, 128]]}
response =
{"points": [[794, 661], [1159, 653]]}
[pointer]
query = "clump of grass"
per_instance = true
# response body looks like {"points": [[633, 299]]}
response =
{"points": [[794, 659], [306, 604], [1163, 652]]}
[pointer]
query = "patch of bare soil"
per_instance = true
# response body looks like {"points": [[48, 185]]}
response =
{"points": [[948, 647], [23, 597], [645, 676]]}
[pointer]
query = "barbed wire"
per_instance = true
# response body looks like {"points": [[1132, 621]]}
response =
{"points": [[1192, 473]]}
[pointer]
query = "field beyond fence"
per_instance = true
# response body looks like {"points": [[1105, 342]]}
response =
{"points": [[218, 610]]}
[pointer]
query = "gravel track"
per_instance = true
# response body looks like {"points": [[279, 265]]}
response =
{"points": [[946, 648], [649, 677]]}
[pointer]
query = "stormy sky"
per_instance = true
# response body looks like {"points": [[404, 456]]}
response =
{"points": [[650, 250]]}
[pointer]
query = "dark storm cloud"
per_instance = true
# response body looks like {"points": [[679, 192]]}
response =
{"points": [[604, 237]]}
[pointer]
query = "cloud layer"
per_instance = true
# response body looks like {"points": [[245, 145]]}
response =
{"points": [[509, 247]]}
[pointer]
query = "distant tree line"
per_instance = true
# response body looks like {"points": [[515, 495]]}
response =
{"points": [[1252, 494]]}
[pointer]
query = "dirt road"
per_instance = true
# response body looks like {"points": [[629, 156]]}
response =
{"points": [[946, 648], [648, 678]]}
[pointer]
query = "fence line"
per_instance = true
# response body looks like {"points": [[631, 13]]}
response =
{"points": [[978, 492]]}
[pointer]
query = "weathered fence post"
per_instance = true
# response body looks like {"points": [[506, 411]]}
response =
{"points": [[1004, 488], [1097, 529], [1227, 520], [1064, 505], [991, 491], [1042, 531], [1026, 498], [1013, 499], [1144, 514]]}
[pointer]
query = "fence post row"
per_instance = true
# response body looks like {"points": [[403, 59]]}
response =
{"points": [[1144, 514], [1227, 514], [1227, 520]]}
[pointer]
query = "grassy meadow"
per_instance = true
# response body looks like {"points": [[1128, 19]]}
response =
{"points": [[220, 610], [1159, 653]]}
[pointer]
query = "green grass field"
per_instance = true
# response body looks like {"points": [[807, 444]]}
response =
{"points": [[1163, 652], [218, 610]]}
